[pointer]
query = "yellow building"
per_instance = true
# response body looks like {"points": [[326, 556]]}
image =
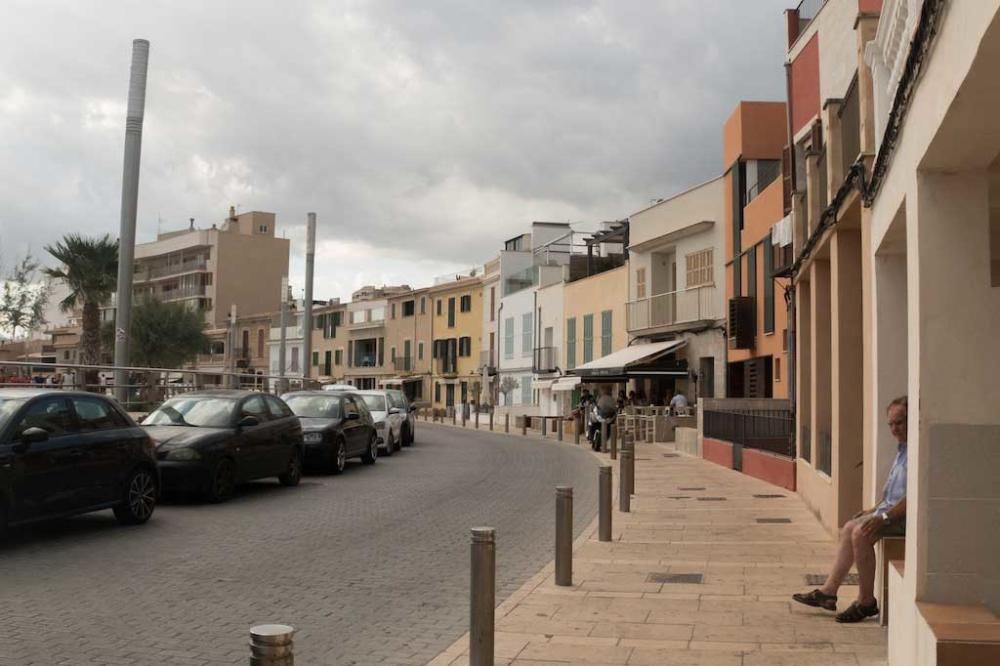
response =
{"points": [[408, 339], [456, 340], [329, 343]]}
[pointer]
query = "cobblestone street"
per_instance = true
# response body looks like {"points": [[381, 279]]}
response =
{"points": [[369, 567]]}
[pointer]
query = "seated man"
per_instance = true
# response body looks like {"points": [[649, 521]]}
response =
{"points": [[679, 403], [859, 535]]}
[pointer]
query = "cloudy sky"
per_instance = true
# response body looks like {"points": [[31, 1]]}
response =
{"points": [[422, 133]]}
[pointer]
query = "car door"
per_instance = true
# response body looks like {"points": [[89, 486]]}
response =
{"points": [[254, 450], [355, 435], [105, 438], [286, 433], [46, 477]]}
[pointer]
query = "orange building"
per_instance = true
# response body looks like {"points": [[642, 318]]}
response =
{"points": [[757, 245]]}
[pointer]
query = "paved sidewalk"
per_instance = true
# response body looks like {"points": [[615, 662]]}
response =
{"points": [[620, 610]]}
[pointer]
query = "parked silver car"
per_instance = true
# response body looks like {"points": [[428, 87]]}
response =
{"points": [[408, 428], [388, 418]]}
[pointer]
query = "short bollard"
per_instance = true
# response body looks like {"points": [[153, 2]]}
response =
{"points": [[628, 442], [271, 645], [614, 441], [564, 535], [604, 503], [605, 436], [454, 416], [545, 426], [524, 425], [482, 591], [491, 420], [624, 496], [506, 422], [577, 427], [559, 429], [477, 419], [464, 415]]}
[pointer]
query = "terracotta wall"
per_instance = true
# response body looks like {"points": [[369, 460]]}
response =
{"points": [[805, 102]]}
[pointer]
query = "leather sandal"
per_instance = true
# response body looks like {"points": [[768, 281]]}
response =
{"points": [[856, 613], [817, 599]]}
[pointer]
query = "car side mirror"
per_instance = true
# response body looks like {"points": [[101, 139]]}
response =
{"points": [[353, 416], [248, 421], [28, 437], [413, 408], [394, 410]]}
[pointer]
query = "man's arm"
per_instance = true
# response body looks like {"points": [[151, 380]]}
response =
{"points": [[896, 513]]}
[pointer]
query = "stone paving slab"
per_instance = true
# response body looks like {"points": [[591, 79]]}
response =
{"points": [[619, 610]]}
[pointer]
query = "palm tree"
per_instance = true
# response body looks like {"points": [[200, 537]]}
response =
{"points": [[90, 271]]}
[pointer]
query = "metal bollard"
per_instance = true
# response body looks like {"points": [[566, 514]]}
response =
{"points": [[271, 645], [464, 415], [628, 442], [624, 496], [559, 430], [614, 441], [605, 436], [564, 535], [477, 419], [545, 426], [454, 416], [604, 503], [524, 425], [577, 428], [491, 420], [482, 591], [506, 422]]}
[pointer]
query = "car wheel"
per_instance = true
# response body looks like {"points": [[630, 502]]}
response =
{"points": [[293, 473], [390, 442], [371, 455], [223, 481], [339, 460], [138, 498]]}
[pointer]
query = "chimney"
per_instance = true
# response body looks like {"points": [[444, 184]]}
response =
{"points": [[191, 228], [232, 212]]}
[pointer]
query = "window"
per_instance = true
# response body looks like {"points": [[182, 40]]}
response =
{"points": [[571, 343], [777, 369], [439, 307], [350, 353], [359, 316], [393, 311], [493, 303], [465, 304], [327, 362], [50, 414], [768, 286], [640, 283], [407, 348], [527, 324], [338, 357], [423, 305], [95, 414], [277, 408], [255, 406], [245, 349], [392, 353], [465, 346], [315, 359], [508, 337], [526, 389], [451, 312], [420, 351], [437, 392], [588, 338], [465, 392], [606, 332], [752, 272], [408, 308], [759, 174], [350, 407], [699, 268], [784, 339]]}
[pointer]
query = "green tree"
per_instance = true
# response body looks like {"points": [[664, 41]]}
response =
{"points": [[23, 299], [90, 271]]}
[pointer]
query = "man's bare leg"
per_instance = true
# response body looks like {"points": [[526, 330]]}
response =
{"points": [[864, 558], [845, 558]]}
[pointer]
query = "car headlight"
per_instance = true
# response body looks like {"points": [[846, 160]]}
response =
{"points": [[380, 425], [183, 454], [312, 437]]}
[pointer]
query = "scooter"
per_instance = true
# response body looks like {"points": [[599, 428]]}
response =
{"points": [[595, 424]]}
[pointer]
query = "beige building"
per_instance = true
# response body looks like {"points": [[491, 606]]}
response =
{"points": [[455, 307], [408, 337], [368, 360], [329, 342]]}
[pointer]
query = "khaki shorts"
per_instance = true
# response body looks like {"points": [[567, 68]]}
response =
{"points": [[892, 530]]}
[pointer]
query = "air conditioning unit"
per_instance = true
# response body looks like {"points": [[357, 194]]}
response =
{"points": [[742, 322]]}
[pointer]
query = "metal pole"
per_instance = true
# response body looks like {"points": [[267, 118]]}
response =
{"points": [[271, 645], [577, 428], [491, 419], [506, 422], [482, 591], [614, 441], [454, 415], [564, 535], [129, 204], [524, 424], [605, 436], [545, 427], [307, 315], [604, 503], [628, 442], [232, 380], [624, 497], [464, 414], [477, 417], [282, 324], [559, 429]]}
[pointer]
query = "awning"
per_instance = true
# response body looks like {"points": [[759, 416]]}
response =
{"points": [[542, 384], [618, 363], [566, 384]]}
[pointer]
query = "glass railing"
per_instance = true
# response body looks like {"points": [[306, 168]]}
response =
{"points": [[675, 307]]}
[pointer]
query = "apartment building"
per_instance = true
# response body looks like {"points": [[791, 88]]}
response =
{"points": [[329, 343], [931, 265], [488, 356], [594, 327], [368, 363], [675, 289], [408, 336], [456, 340], [756, 244]]}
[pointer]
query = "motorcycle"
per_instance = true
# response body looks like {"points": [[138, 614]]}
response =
{"points": [[597, 423]]}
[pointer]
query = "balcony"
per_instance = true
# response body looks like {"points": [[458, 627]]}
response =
{"points": [[193, 291], [521, 280], [545, 360], [402, 363], [487, 359], [156, 272], [446, 365], [674, 309]]}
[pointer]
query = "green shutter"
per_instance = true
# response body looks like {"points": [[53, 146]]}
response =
{"points": [[571, 343], [588, 338], [606, 332]]}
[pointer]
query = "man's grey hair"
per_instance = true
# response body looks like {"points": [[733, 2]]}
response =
{"points": [[899, 402]]}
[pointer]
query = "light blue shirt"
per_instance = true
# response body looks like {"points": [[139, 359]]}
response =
{"points": [[895, 485]]}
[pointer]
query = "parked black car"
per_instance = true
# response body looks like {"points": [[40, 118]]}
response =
{"points": [[68, 452], [211, 441], [335, 426]]}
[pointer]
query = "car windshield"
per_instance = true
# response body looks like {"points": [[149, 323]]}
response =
{"points": [[314, 406], [200, 412], [376, 403], [7, 407]]}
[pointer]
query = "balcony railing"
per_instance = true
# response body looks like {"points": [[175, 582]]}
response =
{"points": [[764, 429], [673, 308], [446, 365], [154, 272], [545, 359], [192, 291], [402, 363]]}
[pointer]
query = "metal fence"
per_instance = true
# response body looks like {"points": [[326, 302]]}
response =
{"points": [[147, 387], [763, 429]]}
